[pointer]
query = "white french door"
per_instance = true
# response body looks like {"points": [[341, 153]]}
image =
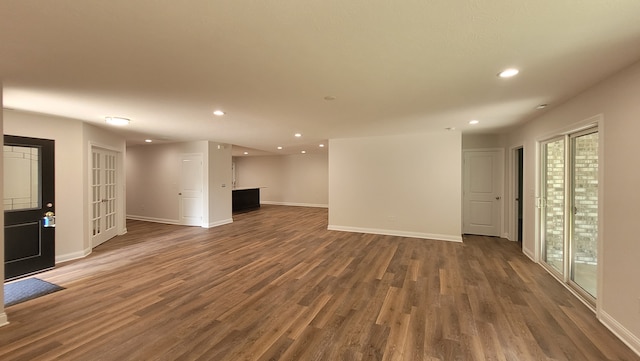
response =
{"points": [[569, 209], [104, 210]]}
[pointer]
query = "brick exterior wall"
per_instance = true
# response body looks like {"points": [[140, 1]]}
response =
{"points": [[585, 179], [554, 204], [585, 217]]}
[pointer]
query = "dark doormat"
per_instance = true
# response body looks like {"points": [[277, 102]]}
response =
{"points": [[27, 289]]}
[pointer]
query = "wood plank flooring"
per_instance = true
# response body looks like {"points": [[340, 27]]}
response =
{"points": [[277, 285]]}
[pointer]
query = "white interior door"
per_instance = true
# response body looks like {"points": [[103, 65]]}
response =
{"points": [[190, 193], [104, 185], [482, 192]]}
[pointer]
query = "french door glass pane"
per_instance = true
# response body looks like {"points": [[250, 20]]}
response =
{"points": [[554, 204], [585, 208]]}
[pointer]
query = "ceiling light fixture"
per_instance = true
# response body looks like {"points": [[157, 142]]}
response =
{"points": [[321, 145], [474, 122], [218, 113], [303, 152], [508, 73], [279, 148], [117, 121], [297, 135], [148, 140], [246, 153]]}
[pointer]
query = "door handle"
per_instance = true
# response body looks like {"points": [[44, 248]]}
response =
{"points": [[49, 220], [498, 198]]}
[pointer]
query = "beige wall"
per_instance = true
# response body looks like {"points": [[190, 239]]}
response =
{"points": [[400, 185], [481, 141], [72, 145], [615, 101], [153, 181], [300, 179], [219, 189]]}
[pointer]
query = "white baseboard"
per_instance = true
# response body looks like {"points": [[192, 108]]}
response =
{"points": [[390, 232], [219, 223], [529, 254], [73, 255], [623, 334], [295, 204], [3, 319], [152, 219]]}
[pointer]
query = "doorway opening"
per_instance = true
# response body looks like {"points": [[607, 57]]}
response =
{"points": [[519, 188]]}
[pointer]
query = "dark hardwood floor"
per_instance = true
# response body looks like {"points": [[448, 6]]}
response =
{"points": [[277, 285]]}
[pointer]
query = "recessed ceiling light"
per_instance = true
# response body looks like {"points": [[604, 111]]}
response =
{"points": [[279, 148], [148, 140], [330, 97], [321, 145], [473, 122], [297, 135], [508, 73], [117, 121], [218, 113], [245, 153], [303, 152], [542, 106]]}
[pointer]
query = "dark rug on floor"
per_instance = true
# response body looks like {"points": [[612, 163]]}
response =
{"points": [[27, 289]]}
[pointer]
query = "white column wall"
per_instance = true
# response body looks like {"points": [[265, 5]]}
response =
{"points": [[219, 196], [407, 185]]}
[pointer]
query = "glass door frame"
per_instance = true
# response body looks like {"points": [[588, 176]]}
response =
{"points": [[566, 276]]}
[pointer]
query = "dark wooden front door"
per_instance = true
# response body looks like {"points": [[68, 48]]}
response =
{"points": [[29, 239]]}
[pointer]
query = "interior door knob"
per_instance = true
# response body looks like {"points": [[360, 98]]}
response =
{"points": [[497, 198]]}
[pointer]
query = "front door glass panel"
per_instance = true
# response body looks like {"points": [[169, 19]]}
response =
{"points": [[21, 178]]}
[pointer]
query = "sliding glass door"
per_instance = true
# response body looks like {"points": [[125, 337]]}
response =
{"points": [[569, 209], [553, 204], [584, 220]]}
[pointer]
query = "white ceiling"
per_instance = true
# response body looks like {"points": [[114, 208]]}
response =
{"points": [[394, 66]]}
